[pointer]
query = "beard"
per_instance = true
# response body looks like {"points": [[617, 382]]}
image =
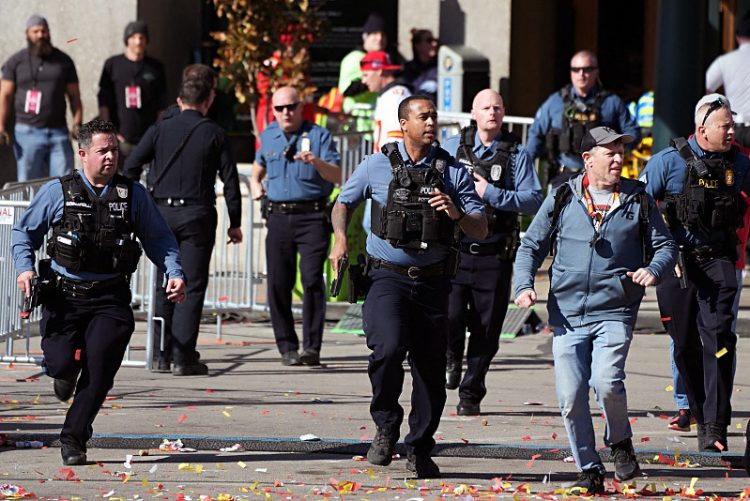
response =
{"points": [[41, 48]]}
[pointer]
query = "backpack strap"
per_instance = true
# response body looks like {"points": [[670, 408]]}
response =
{"points": [[562, 198]]}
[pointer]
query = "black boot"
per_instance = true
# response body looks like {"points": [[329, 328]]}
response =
{"points": [[453, 372], [381, 449]]}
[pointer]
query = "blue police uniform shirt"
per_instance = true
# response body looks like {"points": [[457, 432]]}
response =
{"points": [[295, 180], [372, 177], [614, 113], [666, 172], [521, 191], [46, 209]]}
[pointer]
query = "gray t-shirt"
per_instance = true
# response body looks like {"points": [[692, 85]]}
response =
{"points": [[50, 75]]}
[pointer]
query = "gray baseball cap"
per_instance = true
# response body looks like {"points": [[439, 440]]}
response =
{"points": [[599, 136]]}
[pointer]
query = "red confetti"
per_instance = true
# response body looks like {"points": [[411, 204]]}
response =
{"points": [[554, 436], [71, 40], [526, 438], [209, 391], [182, 418], [554, 450], [531, 461], [363, 427], [277, 483], [645, 439], [719, 445], [223, 299]]}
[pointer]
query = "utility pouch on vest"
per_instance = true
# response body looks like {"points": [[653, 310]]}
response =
{"points": [[125, 256], [68, 250]]}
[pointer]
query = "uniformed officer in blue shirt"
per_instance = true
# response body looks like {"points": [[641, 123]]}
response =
{"points": [[564, 118], [406, 301], [301, 165], [480, 291], [698, 183], [87, 320]]}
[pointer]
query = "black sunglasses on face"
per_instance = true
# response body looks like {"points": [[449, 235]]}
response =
{"points": [[289, 107], [585, 69], [715, 105]]}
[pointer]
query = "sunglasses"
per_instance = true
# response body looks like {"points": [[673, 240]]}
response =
{"points": [[715, 105], [289, 107], [585, 69]]}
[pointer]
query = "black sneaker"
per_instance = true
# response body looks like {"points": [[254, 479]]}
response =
{"points": [[422, 465], [626, 464], [466, 408], [72, 455], [310, 357], [290, 358], [381, 449], [714, 433], [589, 481], [64, 389], [452, 372], [196, 369], [681, 421]]}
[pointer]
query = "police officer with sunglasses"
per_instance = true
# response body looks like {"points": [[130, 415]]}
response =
{"points": [[300, 164]]}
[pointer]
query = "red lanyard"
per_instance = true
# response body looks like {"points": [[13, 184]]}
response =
{"points": [[597, 211]]}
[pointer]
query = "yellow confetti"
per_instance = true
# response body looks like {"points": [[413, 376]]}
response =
{"points": [[241, 464], [199, 468], [185, 467], [226, 413], [739, 426], [410, 484], [669, 388], [721, 352], [371, 474], [37, 399], [666, 498], [693, 481]]}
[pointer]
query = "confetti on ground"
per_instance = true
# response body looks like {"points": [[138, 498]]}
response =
{"points": [[71, 40], [531, 461], [233, 448], [309, 437], [721, 352]]}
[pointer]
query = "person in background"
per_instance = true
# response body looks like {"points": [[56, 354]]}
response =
{"points": [[421, 72]]}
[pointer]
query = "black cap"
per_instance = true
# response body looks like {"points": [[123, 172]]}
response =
{"points": [[375, 22], [599, 136], [134, 27], [743, 27]]}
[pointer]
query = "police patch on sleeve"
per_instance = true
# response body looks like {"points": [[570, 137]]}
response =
{"points": [[122, 191]]}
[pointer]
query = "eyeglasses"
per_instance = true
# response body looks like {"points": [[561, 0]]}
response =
{"points": [[585, 69], [288, 107], [715, 105]]}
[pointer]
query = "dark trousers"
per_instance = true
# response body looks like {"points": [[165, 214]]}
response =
{"points": [[404, 317], [699, 320], [309, 235], [194, 227], [86, 335], [478, 300]]}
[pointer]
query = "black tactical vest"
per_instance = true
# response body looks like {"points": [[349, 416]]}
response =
{"points": [[578, 118], [406, 220], [498, 171], [708, 202], [95, 234]]}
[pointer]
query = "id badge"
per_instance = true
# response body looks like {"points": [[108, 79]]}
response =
{"points": [[304, 144], [33, 102], [133, 97]]}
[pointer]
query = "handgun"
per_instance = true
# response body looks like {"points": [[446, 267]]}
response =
{"points": [[683, 269], [30, 301], [336, 284]]}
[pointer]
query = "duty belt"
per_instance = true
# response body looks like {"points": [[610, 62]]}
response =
{"points": [[481, 249], [297, 207], [182, 202], [703, 253], [89, 287], [413, 272]]}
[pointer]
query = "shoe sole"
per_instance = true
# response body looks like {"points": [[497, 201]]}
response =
{"points": [[380, 463], [679, 428], [625, 479]]}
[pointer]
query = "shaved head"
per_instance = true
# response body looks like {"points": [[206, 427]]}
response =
{"points": [[488, 111]]}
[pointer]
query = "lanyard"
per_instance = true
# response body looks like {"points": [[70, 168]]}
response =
{"points": [[598, 212], [34, 74]]}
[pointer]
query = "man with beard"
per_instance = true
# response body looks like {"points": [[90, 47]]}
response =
{"points": [[36, 81]]}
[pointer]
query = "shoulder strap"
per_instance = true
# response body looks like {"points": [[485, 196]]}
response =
{"points": [[644, 215], [683, 148], [177, 151], [467, 135], [562, 197]]}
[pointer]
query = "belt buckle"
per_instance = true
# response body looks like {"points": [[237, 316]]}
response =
{"points": [[413, 272], [474, 248]]}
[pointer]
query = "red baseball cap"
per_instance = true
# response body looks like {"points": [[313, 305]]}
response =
{"points": [[377, 60]]}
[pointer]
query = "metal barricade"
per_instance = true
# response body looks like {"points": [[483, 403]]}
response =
{"points": [[450, 123]]}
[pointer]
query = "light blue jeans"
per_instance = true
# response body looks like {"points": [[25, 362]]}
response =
{"points": [[36, 148], [592, 356]]}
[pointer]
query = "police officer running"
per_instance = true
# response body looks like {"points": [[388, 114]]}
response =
{"points": [[302, 165], [420, 198], [566, 116], [608, 242], [698, 182], [504, 178], [95, 216], [188, 151]]}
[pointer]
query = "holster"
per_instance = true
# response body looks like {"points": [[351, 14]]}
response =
{"points": [[357, 279]]}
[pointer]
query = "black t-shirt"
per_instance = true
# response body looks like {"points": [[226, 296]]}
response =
{"points": [[51, 76], [133, 119]]}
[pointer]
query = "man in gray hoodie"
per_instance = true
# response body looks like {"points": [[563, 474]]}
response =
{"points": [[609, 242]]}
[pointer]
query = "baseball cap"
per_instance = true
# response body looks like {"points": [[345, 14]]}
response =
{"points": [[377, 60], [599, 136], [134, 27]]}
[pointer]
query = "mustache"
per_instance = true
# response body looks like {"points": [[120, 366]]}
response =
{"points": [[40, 48]]}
